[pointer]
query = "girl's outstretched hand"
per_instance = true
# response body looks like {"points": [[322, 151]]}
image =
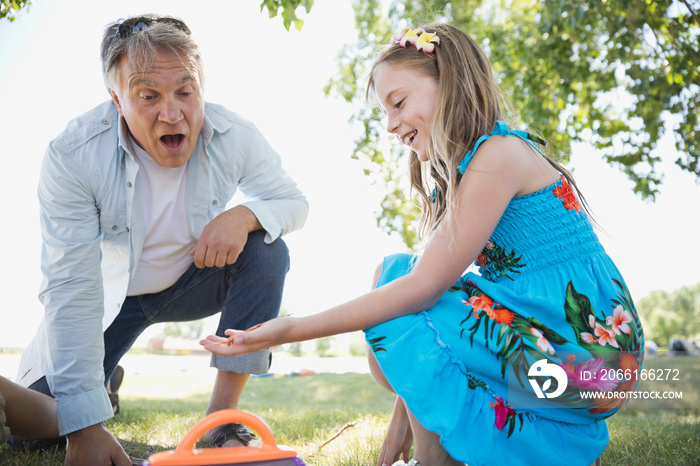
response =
{"points": [[256, 338]]}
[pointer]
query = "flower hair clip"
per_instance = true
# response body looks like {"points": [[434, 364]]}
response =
{"points": [[423, 40]]}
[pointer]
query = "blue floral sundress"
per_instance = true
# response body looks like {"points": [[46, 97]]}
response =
{"points": [[546, 298]]}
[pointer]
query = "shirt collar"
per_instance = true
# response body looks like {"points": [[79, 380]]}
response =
{"points": [[207, 128], [216, 119], [124, 139]]}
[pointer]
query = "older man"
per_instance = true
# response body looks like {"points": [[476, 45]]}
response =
{"points": [[133, 199]]}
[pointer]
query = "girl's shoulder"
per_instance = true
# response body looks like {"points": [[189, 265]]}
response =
{"points": [[501, 131], [517, 160], [499, 150]]}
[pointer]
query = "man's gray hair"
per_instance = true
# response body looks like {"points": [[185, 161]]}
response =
{"points": [[141, 43]]}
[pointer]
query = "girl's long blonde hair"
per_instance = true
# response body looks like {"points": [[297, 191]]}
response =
{"points": [[469, 102]]}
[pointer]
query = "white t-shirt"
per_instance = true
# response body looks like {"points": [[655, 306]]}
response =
{"points": [[168, 241]]}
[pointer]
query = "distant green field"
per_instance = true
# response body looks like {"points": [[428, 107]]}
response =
{"points": [[305, 412]]}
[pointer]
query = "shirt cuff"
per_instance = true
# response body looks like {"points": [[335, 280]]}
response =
{"points": [[83, 410], [270, 222]]}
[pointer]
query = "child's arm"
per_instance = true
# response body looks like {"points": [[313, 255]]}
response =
{"points": [[29, 414], [502, 168]]}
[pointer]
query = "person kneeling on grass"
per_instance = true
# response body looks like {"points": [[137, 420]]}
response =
{"points": [[136, 230], [462, 350]]}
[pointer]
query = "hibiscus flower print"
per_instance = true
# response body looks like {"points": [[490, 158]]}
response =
{"points": [[619, 320], [629, 364], [486, 304], [542, 343], [567, 196], [589, 375], [503, 412], [606, 336], [483, 259], [480, 303]]}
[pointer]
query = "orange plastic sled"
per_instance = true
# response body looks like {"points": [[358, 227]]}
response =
{"points": [[269, 454]]}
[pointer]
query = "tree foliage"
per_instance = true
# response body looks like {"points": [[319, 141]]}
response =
{"points": [[10, 8], [287, 9], [671, 315], [608, 72]]}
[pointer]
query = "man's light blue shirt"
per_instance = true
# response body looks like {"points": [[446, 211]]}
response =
{"points": [[93, 234]]}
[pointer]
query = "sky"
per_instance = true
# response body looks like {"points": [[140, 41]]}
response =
{"points": [[50, 73]]}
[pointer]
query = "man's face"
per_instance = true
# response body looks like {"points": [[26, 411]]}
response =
{"points": [[163, 107]]}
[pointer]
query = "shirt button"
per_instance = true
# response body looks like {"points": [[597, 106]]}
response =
{"points": [[105, 121], [128, 184], [127, 229], [214, 202], [114, 227]]}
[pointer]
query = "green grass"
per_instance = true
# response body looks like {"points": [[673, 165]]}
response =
{"points": [[305, 412]]}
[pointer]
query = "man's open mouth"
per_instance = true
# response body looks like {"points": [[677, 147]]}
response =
{"points": [[172, 141]]}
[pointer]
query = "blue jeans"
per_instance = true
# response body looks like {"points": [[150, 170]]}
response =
{"points": [[246, 293]]}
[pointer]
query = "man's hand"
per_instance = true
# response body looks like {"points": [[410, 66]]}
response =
{"points": [[224, 237], [95, 446]]}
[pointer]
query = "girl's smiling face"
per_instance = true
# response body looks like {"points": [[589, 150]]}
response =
{"points": [[408, 99]]}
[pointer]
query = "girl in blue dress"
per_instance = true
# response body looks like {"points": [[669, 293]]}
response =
{"points": [[522, 360]]}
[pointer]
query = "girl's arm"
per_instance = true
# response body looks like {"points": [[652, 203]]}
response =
{"points": [[502, 168]]}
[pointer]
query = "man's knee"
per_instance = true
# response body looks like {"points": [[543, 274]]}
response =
{"points": [[41, 386], [272, 257]]}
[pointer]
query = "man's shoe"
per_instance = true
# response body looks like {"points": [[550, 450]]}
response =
{"points": [[115, 381]]}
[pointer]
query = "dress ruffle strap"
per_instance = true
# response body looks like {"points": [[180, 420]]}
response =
{"points": [[500, 129]]}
